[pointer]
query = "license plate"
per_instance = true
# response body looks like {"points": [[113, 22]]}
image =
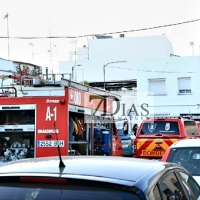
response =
{"points": [[50, 143]]}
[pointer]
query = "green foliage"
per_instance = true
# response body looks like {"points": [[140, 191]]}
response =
{"points": [[86, 83], [33, 72]]}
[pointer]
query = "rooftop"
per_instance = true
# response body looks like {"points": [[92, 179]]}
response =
{"points": [[115, 85]]}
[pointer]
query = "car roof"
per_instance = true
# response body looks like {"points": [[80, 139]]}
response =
{"points": [[118, 168], [186, 143]]}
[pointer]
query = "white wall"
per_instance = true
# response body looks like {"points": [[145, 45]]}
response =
{"points": [[130, 49], [172, 102], [171, 69]]}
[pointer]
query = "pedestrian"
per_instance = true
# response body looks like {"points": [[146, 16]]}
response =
{"points": [[134, 129]]}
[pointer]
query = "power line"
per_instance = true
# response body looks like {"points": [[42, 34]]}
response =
{"points": [[109, 33], [143, 70]]}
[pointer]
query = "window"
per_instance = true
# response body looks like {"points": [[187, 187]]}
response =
{"points": [[184, 85], [75, 189], [191, 127], [190, 185], [188, 157], [157, 86], [161, 127], [156, 193], [171, 188]]}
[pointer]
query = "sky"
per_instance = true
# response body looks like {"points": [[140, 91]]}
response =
{"points": [[74, 19]]}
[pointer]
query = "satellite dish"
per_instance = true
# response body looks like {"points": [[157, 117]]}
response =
{"points": [[130, 112]]}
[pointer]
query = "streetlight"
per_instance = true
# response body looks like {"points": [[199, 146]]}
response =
{"points": [[73, 72], [122, 61], [6, 17]]}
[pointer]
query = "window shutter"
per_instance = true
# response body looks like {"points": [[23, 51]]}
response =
{"points": [[157, 86], [184, 85]]}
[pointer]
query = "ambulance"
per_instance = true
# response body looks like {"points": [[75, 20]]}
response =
{"points": [[156, 134], [39, 116]]}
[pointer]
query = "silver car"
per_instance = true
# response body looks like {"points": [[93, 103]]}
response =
{"points": [[95, 177]]}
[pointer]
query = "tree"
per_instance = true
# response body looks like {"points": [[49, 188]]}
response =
{"points": [[86, 83]]}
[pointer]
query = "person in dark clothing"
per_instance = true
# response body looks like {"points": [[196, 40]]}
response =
{"points": [[134, 129]]}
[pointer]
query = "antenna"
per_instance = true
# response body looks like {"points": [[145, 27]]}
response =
{"points": [[61, 164]]}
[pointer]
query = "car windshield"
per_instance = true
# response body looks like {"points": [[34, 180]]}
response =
{"points": [[70, 190], [120, 132], [188, 157], [160, 127]]}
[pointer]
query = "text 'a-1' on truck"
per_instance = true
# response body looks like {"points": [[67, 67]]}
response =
{"points": [[156, 134], [37, 117]]}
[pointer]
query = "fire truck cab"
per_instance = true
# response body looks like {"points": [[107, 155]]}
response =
{"points": [[37, 117]]}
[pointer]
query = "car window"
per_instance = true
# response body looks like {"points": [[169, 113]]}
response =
{"points": [[170, 188], [191, 128], [8, 193], [73, 190], [190, 185], [156, 193], [188, 157], [162, 127]]}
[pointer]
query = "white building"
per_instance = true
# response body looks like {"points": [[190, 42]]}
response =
{"points": [[173, 83], [5, 66], [166, 84], [104, 51]]}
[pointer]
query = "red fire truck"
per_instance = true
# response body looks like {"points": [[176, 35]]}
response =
{"points": [[37, 116]]}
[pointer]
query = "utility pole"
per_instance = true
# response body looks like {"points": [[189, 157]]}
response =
{"points": [[6, 17]]}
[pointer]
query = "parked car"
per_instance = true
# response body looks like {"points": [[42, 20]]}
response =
{"points": [[156, 134], [95, 177], [186, 153], [125, 137], [127, 143], [131, 134]]}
